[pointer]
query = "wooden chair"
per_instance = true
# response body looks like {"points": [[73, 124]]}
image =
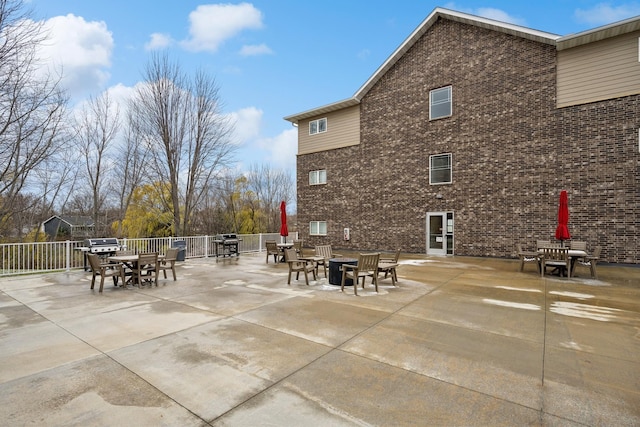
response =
{"points": [[146, 269], [169, 262], [297, 245], [388, 264], [125, 252], [527, 256], [578, 245], [387, 257], [272, 249], [297, 265], [544, 244], [555, 257], [107, 269], [127, 270], [591, 261], [367, 267], [326, 253]]}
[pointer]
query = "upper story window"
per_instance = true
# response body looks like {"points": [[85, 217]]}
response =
{"points": [[440, 169], [317, 126], [440, 103], [318, 228], [318, 177]]}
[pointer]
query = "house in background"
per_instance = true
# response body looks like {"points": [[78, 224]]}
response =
{"points": [[68, 227], [461, 142]]}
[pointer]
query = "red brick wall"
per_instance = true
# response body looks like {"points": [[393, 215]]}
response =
{"points": [[513, 152]]}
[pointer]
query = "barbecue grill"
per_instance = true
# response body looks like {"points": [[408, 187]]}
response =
{"points": [[103, 247], [99, 246], [226, 245]]}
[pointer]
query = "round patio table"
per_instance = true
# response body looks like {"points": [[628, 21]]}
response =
{"points": [[335, 270]]}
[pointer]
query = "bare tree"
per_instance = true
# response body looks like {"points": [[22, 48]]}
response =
{"points": [[271, 186], [54, 184], [96, 127], [32, 108], [129, 171], [188, 136]]}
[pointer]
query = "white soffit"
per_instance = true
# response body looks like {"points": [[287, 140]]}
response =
{"points": [[601, 33]]}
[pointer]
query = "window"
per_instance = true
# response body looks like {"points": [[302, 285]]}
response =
{"points": [[318, 177], [440, 169], [440, 103], [318, 228], [317, 126]]}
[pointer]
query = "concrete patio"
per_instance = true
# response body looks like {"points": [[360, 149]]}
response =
{"points": [[460, 341]]}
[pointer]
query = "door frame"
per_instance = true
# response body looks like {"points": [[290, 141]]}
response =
{"points": [[447, 233]]}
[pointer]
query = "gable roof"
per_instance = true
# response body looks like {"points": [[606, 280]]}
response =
{"points": [[606, 31], [452, 15], [72, 220], [561, 43], [411, 40]]}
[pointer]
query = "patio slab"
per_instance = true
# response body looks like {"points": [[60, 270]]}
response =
{"points": [[459, 341]]}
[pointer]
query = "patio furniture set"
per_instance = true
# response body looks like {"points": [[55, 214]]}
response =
{"points": [[341, 271], [562, 259], [133, 269]]}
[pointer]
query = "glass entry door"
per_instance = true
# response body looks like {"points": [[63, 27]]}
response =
{"points": [[440, 233]]}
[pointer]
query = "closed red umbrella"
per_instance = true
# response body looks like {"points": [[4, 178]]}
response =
{"points": [[562, 231], [284, 231]]}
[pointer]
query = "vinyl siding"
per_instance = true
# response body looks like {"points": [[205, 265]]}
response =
{"points": [[343, 130], [599, 71]]}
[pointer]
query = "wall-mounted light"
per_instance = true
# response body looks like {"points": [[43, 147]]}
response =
{"points": [[438, 196]]}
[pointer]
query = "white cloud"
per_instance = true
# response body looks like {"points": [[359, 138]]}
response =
{"points": [[605, 13], [119, 95], [253, 50], [281, 149], [488, 12], [363, 54], [158, 41], [499, 15], [81, 50], [212, 24], [247, 122]]}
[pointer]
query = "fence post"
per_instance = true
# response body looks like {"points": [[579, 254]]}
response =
{"points": [[206, 246], [68, 256]]}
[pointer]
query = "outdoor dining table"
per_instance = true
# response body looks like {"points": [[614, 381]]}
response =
{"points": [[315, 260], [574, 255], [129, 261], [282, 247]]}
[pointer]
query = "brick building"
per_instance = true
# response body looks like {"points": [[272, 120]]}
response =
{"points": [[462, 141]]}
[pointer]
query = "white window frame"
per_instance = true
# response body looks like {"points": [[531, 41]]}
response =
{"points": [[318, 228], [318, 126], [432, 169], [318, 177], [439, 101]]}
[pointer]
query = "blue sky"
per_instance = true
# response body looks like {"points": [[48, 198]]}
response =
{"points": [[270, 58]]}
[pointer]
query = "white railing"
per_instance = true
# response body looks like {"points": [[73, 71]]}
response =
{"points": [[29, 258]]}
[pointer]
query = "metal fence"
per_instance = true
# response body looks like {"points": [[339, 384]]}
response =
{"points": [[29, 258]]}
